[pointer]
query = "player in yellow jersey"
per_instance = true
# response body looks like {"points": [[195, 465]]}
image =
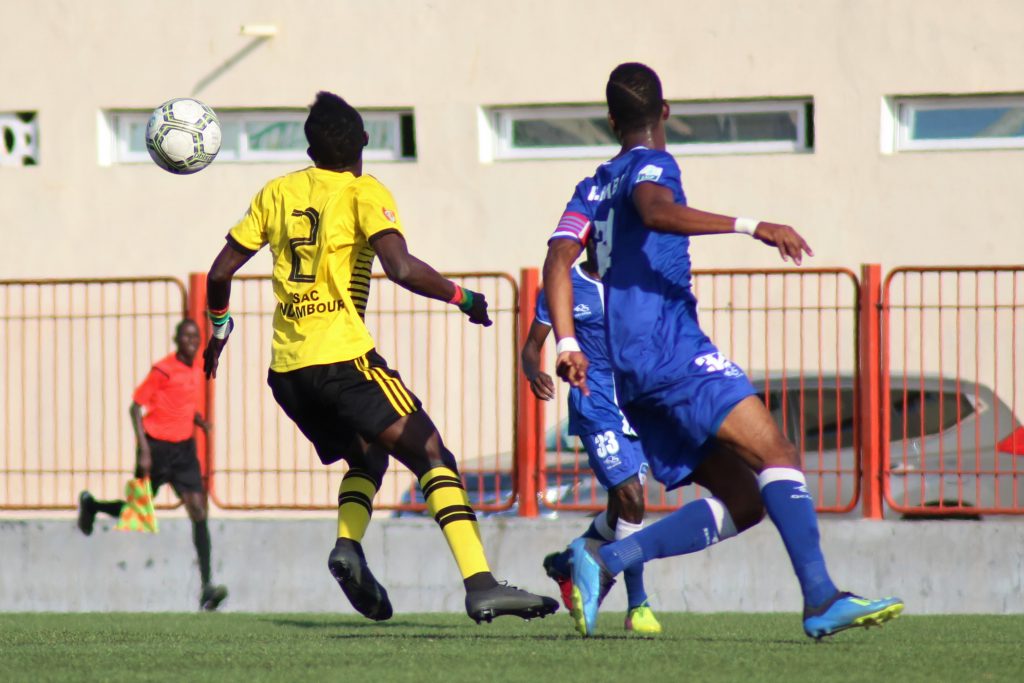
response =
{"points": [[325, 225]]}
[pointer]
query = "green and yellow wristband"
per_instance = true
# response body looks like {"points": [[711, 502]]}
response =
{"points": [[463, 298], [221, 321]]}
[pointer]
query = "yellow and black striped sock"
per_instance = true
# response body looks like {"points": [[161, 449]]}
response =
{"points": [[447, 501], [355, 504]]}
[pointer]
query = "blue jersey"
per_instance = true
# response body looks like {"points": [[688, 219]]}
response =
{"points": [[599, 411], [652, 330]]}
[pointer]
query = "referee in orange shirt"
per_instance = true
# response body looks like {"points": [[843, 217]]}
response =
{"points": [[166, 447]]}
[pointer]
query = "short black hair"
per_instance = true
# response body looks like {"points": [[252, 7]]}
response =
{"points": [[334, 130], [634, 96], [186, 321]]}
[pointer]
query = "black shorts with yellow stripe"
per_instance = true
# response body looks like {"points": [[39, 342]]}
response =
{"points": [[331, 404]]}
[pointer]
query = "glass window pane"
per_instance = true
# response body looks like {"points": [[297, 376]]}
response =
{"points": [[266, 134], [381, 133], [748, 127], [137, 136], [919, 414], [559, 132], [275, 136], [231, 132], [964, 122], [709, 128]]}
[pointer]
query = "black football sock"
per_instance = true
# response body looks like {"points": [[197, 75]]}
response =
{"points": [[201, 537], [109, 507]]}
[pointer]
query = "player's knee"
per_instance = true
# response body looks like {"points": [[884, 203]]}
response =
{"points": [[374, 471], [629, 498], [196, 508], [782, 453], [439, 456], [432, 459]]}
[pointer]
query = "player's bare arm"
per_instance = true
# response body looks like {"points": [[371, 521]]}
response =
{"points": [[571, 364], [659, 211], [143, 456], [201, 423], [407, 271], [218, 296], [540, 382]]}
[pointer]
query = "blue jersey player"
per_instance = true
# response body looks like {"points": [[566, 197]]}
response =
{"points": [[612, 448], [696, 412]]}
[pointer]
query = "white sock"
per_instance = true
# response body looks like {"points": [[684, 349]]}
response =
{"points": [[624, 529], [602, 527], [724, 524]]}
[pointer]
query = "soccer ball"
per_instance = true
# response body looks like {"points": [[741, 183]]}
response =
{"points": [[183, 136]]}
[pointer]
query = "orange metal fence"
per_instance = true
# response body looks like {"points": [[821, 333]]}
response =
{"points": [[464, 374], [795, 332], [71, 353], [906, 391], [953, 389]]}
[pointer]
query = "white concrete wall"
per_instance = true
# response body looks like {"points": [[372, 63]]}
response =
{"points": [[69, 60], [281, 566]]}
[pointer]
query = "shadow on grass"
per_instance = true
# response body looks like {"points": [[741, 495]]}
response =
{"points": [[354, 622], [464, 635], [366, 629]]}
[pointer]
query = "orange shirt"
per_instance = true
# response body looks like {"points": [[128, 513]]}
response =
{"points": [[170, 396]]}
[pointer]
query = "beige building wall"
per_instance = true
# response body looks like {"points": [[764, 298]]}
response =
{"points": [[69, 60]]}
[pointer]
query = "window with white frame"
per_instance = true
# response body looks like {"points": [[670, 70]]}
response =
{"points": [[724, 127], [259, 135], [957, 122], [19, 138]]}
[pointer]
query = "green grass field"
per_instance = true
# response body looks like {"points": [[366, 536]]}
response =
{"points": [[437, 648]]}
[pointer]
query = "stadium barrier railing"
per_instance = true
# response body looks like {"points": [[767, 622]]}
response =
{"points": [[953, 390], [464, 374], [795, 332], [71, 353], [902, 393]]}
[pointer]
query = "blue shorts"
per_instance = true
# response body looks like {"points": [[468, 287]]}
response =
{"points": [[615, 457], [676, 422]]}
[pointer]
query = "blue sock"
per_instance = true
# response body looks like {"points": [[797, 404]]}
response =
{"points": [[690, 528], [790, 507], [633, 576], [636, 594]]}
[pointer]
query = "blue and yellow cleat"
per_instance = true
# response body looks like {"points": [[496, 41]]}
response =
{"points": [[591, 581], [641, 620], [847, 610]]}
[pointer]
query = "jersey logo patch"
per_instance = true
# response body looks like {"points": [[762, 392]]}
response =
{"points": [[716, 362], [650, 172], [581, 311], [389, 214]]}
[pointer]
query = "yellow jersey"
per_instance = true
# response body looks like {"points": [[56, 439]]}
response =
{"points": [[318, 224]]}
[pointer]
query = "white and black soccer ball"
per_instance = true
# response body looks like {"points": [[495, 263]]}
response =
{"points": [[183, 135]]}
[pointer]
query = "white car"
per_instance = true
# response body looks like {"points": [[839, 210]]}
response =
{"points": [[954, 449]]}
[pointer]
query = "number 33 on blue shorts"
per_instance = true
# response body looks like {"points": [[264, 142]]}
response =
{"points": [[615, 457]]}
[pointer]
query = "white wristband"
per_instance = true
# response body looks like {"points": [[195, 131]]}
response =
{"points": [[566, 344], [746, 225]]}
